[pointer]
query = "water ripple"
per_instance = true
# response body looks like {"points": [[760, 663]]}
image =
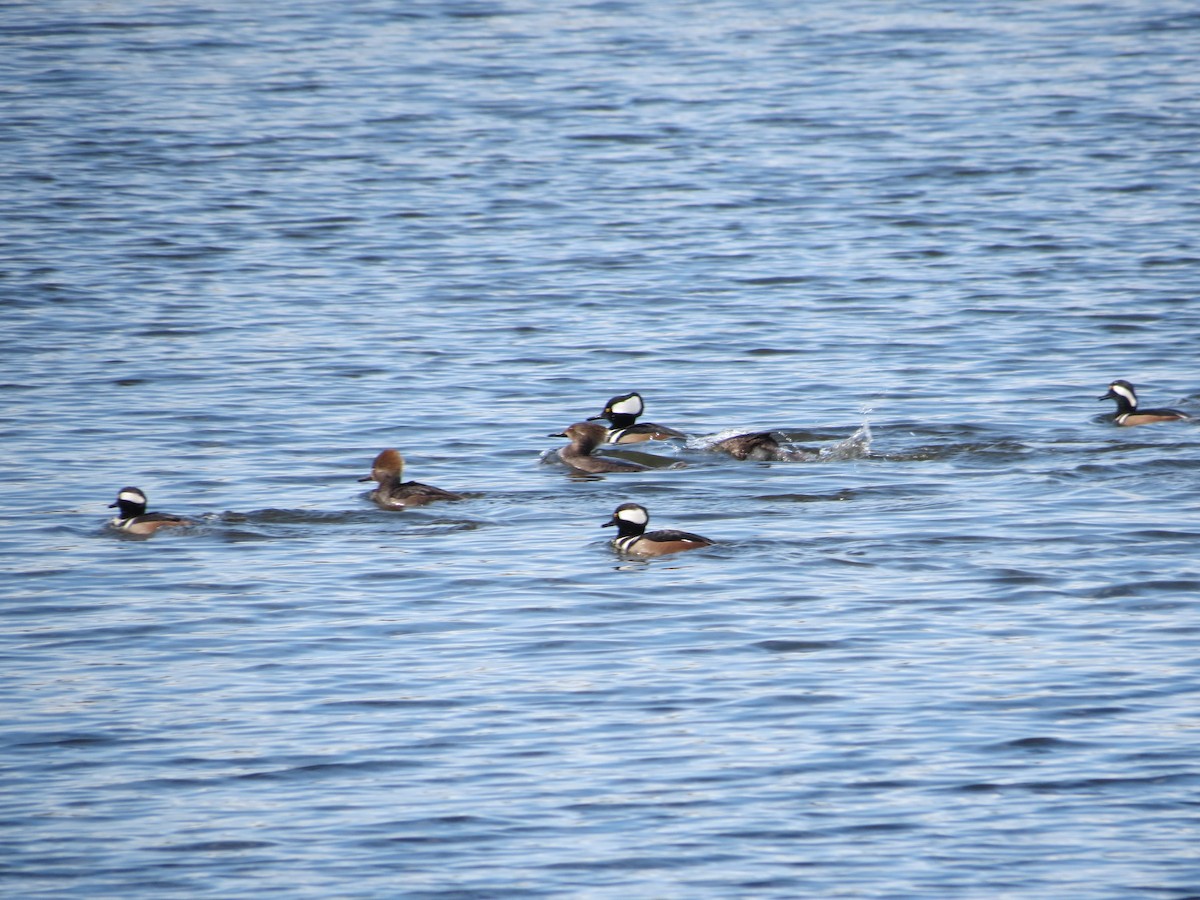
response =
{"points": [[245, 251]]}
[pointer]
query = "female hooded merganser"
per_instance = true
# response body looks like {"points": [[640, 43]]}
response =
{"points": [[760, 445], [1127, 408], [391, 493], [586, 437], [134, 519], [622, 412], [631, 520]]}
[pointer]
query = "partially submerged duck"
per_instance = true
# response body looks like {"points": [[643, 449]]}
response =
{"points": [[585, 438], [622, 413], [392, 493], [631, 520], [758, 445], [132, 517], [1127, 408]]}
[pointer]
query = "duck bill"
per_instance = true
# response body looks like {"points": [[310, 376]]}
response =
{"points": [[366, 478], [1111, 395]]}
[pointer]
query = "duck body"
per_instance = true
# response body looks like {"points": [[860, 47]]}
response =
{"points": [[622, 413], [393, 493], [1128, 413], [132, 517], [585, 438], [642, 431], [631, 520], [758, 445]]}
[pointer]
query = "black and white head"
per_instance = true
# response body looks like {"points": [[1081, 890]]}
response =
{"points": [[622, 411], [131, 502], [1123, 393], [630, 518]]}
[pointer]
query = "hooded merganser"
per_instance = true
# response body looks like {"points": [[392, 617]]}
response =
{"points": [[391, 493], [759, 445], [1127, 408], [631, 520], [133, 518], [586, 437], [622, 412]]}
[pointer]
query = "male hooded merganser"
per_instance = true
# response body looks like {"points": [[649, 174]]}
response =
{"points": [[631, 520], [392, 493], [134, 519], [586, 437], [622, 412], [760, 445], [1127, 408]]}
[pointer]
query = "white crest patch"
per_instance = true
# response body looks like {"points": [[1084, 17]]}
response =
{"points": [[132, 496], [636, 515], [1124, 392], [630, 406]]}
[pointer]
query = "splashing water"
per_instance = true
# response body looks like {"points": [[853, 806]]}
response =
{"points": [[708, 441], [857, 446]]}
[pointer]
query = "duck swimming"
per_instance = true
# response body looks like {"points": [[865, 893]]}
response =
{"points": [[622, 413], [758, 445], [1129, 414], [585, 438], [631, 520], [392, 493], [133, 518]]}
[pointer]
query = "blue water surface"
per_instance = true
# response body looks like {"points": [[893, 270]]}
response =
{"points": [[245, 247]]}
